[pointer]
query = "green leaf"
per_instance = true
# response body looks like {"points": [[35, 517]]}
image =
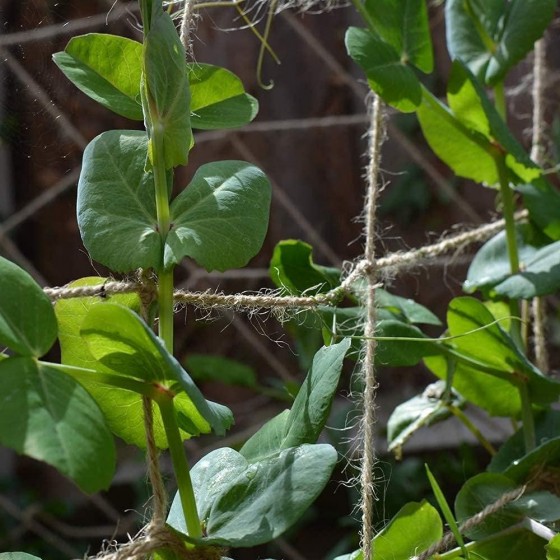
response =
{"points": [[17, 556], [401, 352], [108, 69], [27, 321], [422, 410], [413, 529], [498, 397], [48, 416], [445, 510], [387, 74], [405, 309], [220, 219], [292, 269], [553, 548], [167, 88], [122, 342], [116, 203], [543, 203], [486, 488], [404, 25], [540, 275], [218, 99], [492, 36], [517, 543], [204, 367], [512, 459], [491, 265], [466, 151], [492, 347], [309, 413], [244, 503]]}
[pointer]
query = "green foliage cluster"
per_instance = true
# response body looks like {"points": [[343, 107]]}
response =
{"points": [[113, 363]]}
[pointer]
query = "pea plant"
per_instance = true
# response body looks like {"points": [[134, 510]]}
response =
{"points": [[118, 375]]}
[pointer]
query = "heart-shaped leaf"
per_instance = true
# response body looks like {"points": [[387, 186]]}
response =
{"points": [[244, 503], [108, 69], [27, 321], [492, 36], [220, 219], [48, 416], [404, 25], [116, 202]]}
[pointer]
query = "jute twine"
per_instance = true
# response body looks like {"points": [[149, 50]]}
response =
{"points": [[538, 155], [368, 458]]}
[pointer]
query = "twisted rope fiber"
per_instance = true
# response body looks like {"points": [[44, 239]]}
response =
{"points": [[538, 155], [448, 539], [368, 459]]}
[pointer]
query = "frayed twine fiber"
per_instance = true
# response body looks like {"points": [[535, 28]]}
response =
{"points": [[368, 457]]}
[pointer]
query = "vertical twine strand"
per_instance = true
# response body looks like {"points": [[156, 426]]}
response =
{"points": [[159, 494], [376, 135], [538, 155], [187, 23]]}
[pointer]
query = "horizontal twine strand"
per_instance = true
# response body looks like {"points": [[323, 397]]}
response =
{"points": [[448, 539], [261, 300]]}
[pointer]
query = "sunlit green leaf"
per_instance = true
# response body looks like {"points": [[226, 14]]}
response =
{"points": [[220, 219], [27, 321], [108, 69], [48, 416]]}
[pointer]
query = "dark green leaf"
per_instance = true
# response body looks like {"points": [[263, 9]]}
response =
{"points": [[116, 203], [492, 36], [486, 488], [516, 543], [405, 309], [414, 529], [423, 410], [167, 88], [292, 269], [48, 416], [401, 352], [27, 321], [540, 275], [220, 219], [225, 370], [543, 203], [309, 412], [218, 99], [121, 341], [245, 504], [108, 69], [491, 265], [17, 556], [387, 74], [404, 25]]}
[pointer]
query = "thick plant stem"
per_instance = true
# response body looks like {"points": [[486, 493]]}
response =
{"points": [[180, 465], [165, 277], [528, 421]]}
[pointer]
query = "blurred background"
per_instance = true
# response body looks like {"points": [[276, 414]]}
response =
{"points": [[309, 138]]}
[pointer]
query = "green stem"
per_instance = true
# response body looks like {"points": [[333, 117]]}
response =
{"points": [[165, 277], [528, 421], [509, 216], [500, 99], [180, 465], [472, 428]]}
